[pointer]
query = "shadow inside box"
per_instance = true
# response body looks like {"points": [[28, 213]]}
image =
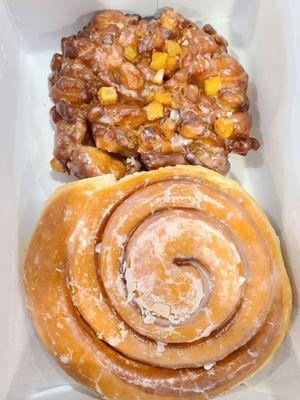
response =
{"points": [[288, 266], [63, 178], [254, 159], [51, 38], [241, 13], [38, 377], [280, 376], [243, 18]]}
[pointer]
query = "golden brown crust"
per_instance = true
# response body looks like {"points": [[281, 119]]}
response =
{"points": [[74, 302]]}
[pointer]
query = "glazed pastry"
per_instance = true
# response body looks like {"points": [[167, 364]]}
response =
{"points": [[143, 93], [165, 284]]}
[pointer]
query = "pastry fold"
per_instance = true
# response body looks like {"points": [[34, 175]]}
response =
{"points": [[165, 284]]}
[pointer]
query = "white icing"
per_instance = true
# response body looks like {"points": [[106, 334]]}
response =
{"points": [[131, 161], [242, 280], [175, 115], [207, 367], [65, 358], [98, 248], [178, 140], [149, 319], [160, 347]]}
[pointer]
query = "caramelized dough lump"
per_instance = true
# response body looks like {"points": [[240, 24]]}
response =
{"points": [[147, 93]]}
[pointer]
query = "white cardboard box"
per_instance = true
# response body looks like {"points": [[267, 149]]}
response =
{"points": [[265, 36]]}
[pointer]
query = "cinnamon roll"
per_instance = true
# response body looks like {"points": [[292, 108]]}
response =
{"points": [[165, 284]]}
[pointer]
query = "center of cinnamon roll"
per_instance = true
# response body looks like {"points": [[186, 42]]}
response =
{"points": [[172, 271], [171, 264]]}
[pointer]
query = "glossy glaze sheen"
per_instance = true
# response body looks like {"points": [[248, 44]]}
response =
{"points": [[185, 131], [91, 289]]}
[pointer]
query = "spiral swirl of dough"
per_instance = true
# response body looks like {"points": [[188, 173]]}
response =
{"points": [[166, 283]]}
